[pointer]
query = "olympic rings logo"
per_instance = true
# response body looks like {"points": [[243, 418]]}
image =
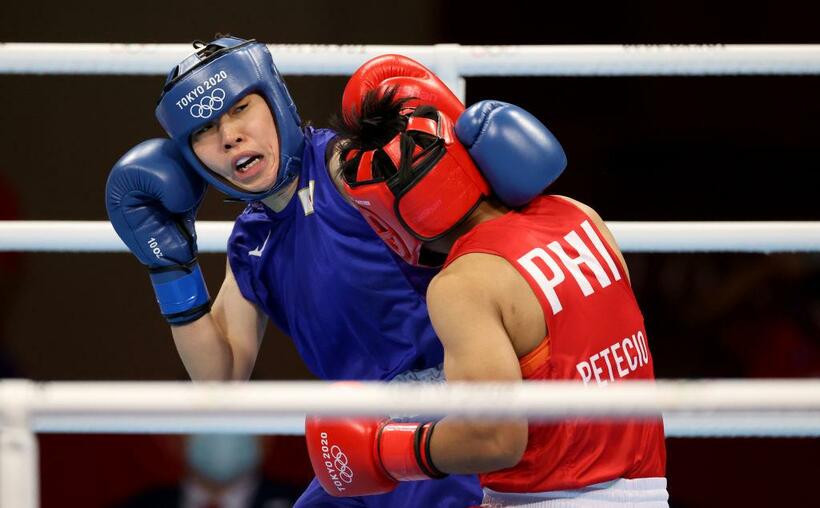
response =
{"points": [[340, 462], [209, 104]]}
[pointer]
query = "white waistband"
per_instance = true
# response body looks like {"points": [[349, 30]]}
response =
{"points": [[429, 375], [620, 493], [432, 375]]}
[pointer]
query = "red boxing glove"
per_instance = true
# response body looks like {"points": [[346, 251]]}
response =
{"points": [[412, 79], [360, 457]]}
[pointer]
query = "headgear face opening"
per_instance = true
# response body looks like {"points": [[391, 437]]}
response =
{"points": [[208, 83], [418, 187]]}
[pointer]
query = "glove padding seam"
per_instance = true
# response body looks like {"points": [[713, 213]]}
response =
{"points": [[485, 126], [485, 114]]}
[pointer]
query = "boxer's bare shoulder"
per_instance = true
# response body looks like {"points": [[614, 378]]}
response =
{"points": [[493, 280]]}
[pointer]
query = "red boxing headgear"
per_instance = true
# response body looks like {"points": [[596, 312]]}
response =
{"points": [[431, 187], [411, 80]]}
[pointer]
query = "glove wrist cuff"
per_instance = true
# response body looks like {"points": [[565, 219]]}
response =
{"points": [[404, 451], [184, 298]]}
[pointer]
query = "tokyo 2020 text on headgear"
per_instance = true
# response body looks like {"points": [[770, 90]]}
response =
{"points": [[432, 186], [211, 81]]}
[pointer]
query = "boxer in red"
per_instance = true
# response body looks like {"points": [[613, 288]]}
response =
{"points": [[532, 287]]}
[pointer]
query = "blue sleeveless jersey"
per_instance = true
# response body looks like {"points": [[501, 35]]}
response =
{"points": [[353, 309], [325, 278]]}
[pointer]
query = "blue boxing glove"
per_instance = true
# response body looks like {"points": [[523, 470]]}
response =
{"points": [[517, 155], [152, 197]]}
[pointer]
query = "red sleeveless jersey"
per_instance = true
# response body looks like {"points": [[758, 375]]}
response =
{"points": [[596, 336]]}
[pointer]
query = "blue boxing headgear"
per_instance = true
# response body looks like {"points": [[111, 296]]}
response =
{"points": [[211, 81]]}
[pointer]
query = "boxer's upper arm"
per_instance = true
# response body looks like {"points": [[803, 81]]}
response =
{"points": [[465, 311], [467, 317], [241, 322]]}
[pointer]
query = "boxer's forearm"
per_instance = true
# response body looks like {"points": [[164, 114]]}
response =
{"points": [[204, 350], [465, 314], [223, 344], [471, 447]]}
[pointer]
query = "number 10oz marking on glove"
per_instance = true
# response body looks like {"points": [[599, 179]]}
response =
{"points": [[154, 246]]}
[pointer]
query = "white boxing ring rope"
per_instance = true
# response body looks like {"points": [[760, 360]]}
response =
{"points": [[469, 61], [279, 407], [212, 236], [741, 408], [451, 62], [691, 408]]}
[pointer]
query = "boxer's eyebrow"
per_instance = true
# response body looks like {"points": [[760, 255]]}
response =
{"points": [[201, 130]]}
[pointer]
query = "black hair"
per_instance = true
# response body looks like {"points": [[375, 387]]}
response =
{"points": [[382, 116]]}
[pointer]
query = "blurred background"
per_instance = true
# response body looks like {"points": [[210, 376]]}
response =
{"points": [[639, 148]]}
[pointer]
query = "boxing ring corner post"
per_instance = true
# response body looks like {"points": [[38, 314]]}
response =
{"points": [[19, 453]]}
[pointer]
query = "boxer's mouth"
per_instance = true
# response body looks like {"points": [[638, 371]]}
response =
{"points": [[245, 163]]}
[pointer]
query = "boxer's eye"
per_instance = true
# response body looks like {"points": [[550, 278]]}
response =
{"points": [[202, 130]]}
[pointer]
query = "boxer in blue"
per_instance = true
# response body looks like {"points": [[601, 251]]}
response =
{"points": [[299, 254]]}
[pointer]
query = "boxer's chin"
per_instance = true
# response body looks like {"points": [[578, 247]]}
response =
{"points": [[259, 180]]}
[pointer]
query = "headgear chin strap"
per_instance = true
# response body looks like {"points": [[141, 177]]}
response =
{"points": [[432, 187], [211, 81]]}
